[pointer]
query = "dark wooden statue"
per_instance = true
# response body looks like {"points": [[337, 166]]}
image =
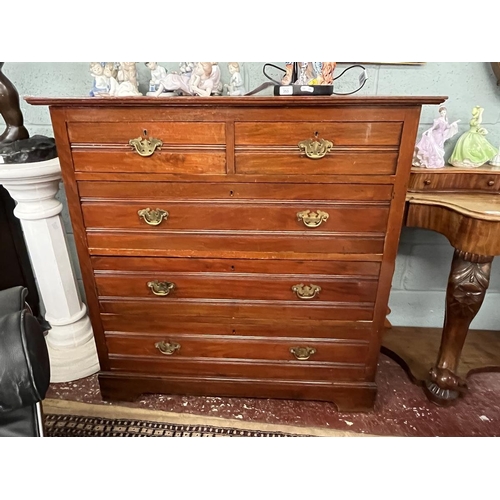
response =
{"points": [[10, 111]]}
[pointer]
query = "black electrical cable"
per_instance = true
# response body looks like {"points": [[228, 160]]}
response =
{"points": [[359, 88], [267, 76]]}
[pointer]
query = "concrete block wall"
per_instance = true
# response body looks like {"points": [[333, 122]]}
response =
{"points": [[424, 257]]}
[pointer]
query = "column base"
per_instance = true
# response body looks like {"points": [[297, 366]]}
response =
{"points": [[72, 362], [72, 349]]}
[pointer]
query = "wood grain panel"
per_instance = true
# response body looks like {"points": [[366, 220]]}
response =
{"points": [[226, 178], [250, 327], [224, 368], [192, 346], [147, 190], [266, 266], [347, 395], [455, 182], [234, 216], [181, 133], [335, 162], [237, 287], [59, 121], [339, 133], [242, 310], [181, 161], [465, 232], [230, 244]]}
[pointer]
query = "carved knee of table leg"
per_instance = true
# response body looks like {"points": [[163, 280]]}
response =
{"points": [[467, 285]]}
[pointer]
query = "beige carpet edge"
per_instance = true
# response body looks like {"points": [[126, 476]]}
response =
{"points": [[62, 407]]}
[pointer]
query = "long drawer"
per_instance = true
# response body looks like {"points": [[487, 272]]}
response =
{"points": [[149, 191], [193, 347], [126, 265], [312, 216], [256, 370], [217, 310], [238, 358], [127, 322], [234, 244], [298, 288]]}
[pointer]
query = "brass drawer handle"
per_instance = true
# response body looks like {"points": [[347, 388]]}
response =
{"points": [[167, 348], [315, 148], [302, 353], [145, 147], [306, 292], [162, 288], [153, 217], [312, 219]]}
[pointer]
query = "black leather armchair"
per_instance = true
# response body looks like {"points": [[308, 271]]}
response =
{"points": [[24, 366]]}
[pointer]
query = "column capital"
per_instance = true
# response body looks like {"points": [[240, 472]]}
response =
{"points": [[34, 187]]}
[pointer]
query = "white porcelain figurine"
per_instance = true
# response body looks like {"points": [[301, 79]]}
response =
{"points": [[204, 80], [236, 85], [158, 73], [127, 72], [100, 82], [114, 88]]}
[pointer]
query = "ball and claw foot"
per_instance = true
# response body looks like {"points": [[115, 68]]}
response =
{"points": [[444, 387]]}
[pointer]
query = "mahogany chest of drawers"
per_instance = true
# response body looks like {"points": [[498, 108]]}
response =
{"points": [[237, 246]]}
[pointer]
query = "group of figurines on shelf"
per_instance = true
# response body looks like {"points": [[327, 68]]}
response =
{"points": [[472, 149], [192, 78], [114, 79]]}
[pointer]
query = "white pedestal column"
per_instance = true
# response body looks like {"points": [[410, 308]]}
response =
{"points": [[71, 342]]}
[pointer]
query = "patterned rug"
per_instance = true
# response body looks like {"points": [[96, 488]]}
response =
{"points": [[75, 419], [76, 426]]}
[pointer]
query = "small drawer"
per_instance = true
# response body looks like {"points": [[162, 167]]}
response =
{"points": [[233, 216], [233, 348], [454, 182], [292, 161], [169, 133], [171, 161], [355, 133]]}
